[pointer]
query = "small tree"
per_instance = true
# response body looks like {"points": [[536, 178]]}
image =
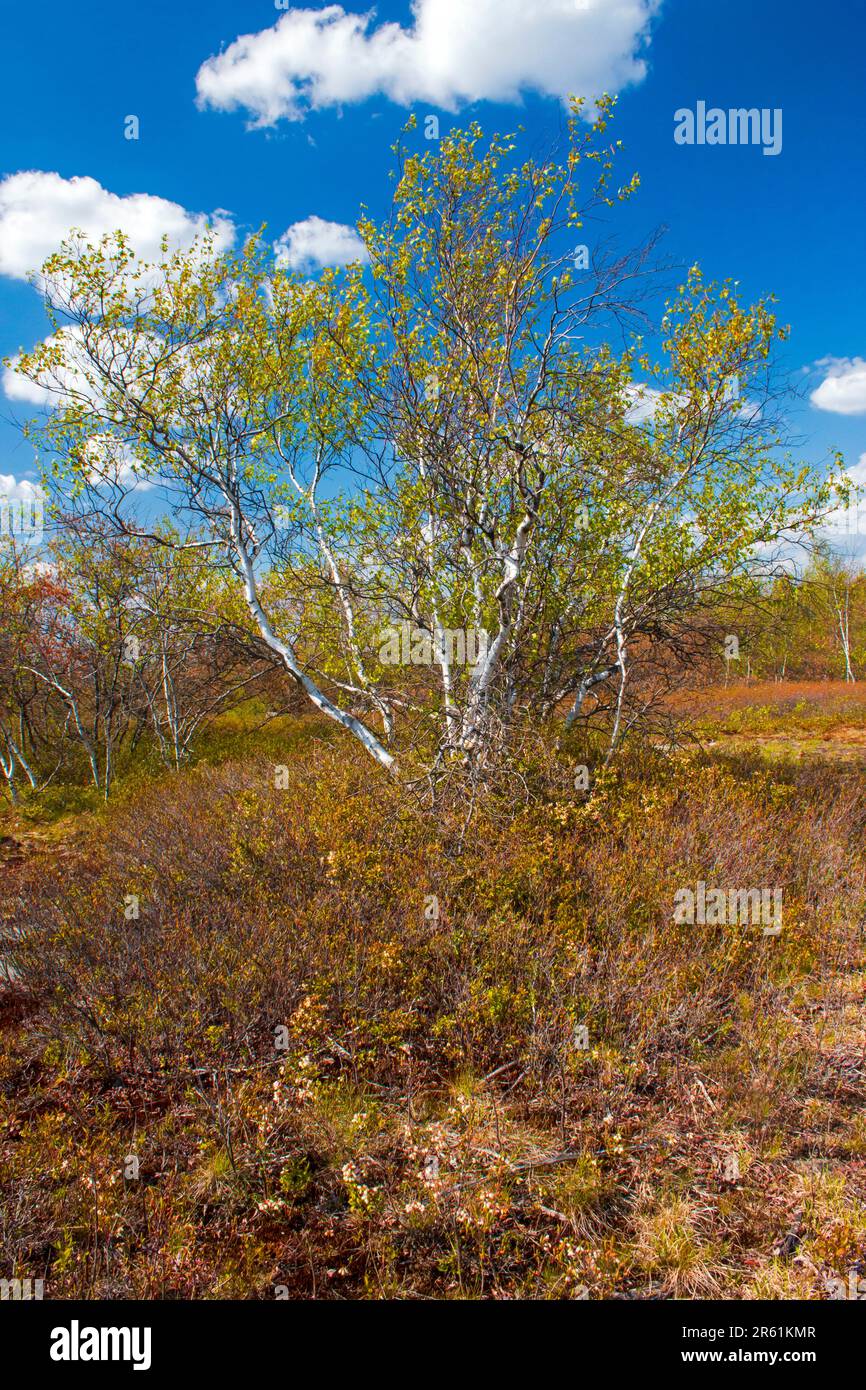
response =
{"points": [[25, 712], [457, 446]]}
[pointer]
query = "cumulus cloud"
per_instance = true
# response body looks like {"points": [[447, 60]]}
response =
{"points": [[848, 523], [645, 400], [644, 403], [21, 388], [56, 382], [453, 52], [843, 390], [37, 211], [22, 509], [314, 243], [13, 490], [114, 464]]}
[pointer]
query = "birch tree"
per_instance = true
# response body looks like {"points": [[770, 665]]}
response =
{"points": [[481, 439], [584, 507]]}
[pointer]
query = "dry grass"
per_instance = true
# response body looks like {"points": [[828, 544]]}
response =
{"points": [[332, 1092]]}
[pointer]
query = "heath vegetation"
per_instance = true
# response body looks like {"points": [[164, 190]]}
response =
{"points": [[402, 642]]}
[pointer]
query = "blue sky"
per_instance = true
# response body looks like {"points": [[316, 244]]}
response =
{"points": [[792, 224]]}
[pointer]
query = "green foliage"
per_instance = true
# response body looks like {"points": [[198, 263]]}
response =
{"points": [[450, 439]]}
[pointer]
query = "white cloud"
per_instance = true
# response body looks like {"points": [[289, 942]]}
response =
{"points": [[648, 401], [22, 510], [849, 522], [37, 211], [843, 390], [314, 243], [67, 375], [24, 491], [114, 464], [44, 569], [455, 51], [70, 374], [645, 402], [21, 388]]}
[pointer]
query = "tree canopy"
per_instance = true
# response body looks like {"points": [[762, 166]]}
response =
{"points": [[476, 457]]}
